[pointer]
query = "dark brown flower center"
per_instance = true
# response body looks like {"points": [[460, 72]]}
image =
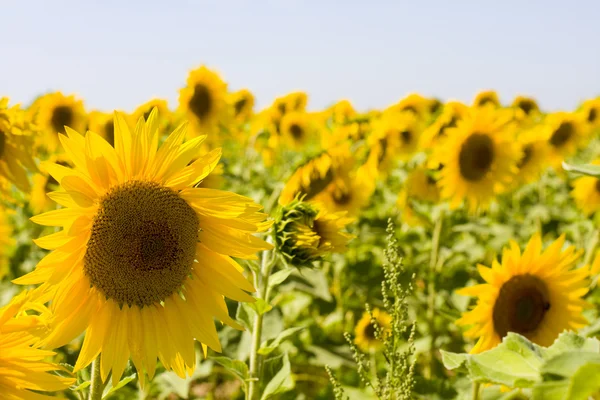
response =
{"points": [[317, 183], [521, 305], [592, 115], [142, 245], [450, 124], [239, 105], [562, 135], [527, 106], [527, 154], [486, 100], [109, 132], [61, 116], [598, 185], [342, 197], [476, 157], [296, 131], [434, 106], [201, 101], [370, 332], [406, 137]]}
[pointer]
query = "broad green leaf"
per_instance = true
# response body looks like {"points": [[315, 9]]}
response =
{"points": [[109, 390], [553, 390], [280, 276], [268, 346], [245, 316], [585, 382], [260, 306], [585, 169], [238, 368], [567, 364], [453, 360], [280, 383]]}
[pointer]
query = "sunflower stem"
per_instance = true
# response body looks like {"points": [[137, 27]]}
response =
{"points": [[431, 292], [261, 282], [97, 386], [476, 390]]}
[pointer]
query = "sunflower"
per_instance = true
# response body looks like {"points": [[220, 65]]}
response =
{"points": [[296, 129], [313, 176], [485, 98], [305, 233], [420, 185], [23, 371], [54, 112], [566, 133], [341, 112], [204, 99], [395, 137], [15, 147], [414, 104], [534, 154], [6, 240], [586, 192], [479, 158], [536, 294], [44, 183], [349, 193], [452, 113], [365, 330], [242, 104], [102, 124], [527, 105], [591, 112], [144, 259], [295, 101], [144, 110]]}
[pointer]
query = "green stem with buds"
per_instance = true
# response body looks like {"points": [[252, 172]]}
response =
{"points": [[97, 386], [261, 283]]}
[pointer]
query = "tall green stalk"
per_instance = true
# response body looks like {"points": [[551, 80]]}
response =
{"points": [[97, 386]]}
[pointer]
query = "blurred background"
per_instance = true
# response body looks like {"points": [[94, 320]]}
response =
{"points": [[117, 54]]}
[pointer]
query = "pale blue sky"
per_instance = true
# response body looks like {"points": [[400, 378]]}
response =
{"points": [[117, 54]]}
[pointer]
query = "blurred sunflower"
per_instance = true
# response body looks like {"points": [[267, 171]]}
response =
{"points": [[479, 158], [534, 154], [591, 112], [536, 294], [313, 176], [586, 192], [395, 137], [144, 110], [420, 185], [204, 99], [527, 105], [103, 124], [242, 104], [365, 330], [144, 260], [23, 371], [6, 240], [16, 145], [294, 101], [414, 104], [341, 112], [305, 233], [296, 129], [565, 133], [349, 193], [451, 113], [53, 112], [486, 98]]}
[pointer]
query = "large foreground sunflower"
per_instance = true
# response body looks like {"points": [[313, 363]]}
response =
{"points": [[203, 99], [144, 257], [24, 373], [479, 159], [536, 294]]}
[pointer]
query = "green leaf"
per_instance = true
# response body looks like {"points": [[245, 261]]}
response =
{"points": [[260, 306], [585, 169], [269, 345], [109, 390], [245, 316], [280, 276], [453, 360], [236, 367], [282, 381], [81, 386], [567, 364]]}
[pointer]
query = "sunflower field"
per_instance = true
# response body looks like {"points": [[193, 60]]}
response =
{"points": [[428, 250]]}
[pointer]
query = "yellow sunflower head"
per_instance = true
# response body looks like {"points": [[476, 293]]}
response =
{"points": [[365, 332], [527, 105], [396, 136], [351, 192], [204, 99], [341, 112], [16, 145], [103, 124], [591, 112], [451, 113], [313, 176], [304, 233], [414, 104], [534, 154], [144, 110], [479, 158], [537, 294], [586, 192], [242, 104], [144, 259], [486, 98], [296, 128], [566, 133], [54, 112], [295, 101], [23, 371]]}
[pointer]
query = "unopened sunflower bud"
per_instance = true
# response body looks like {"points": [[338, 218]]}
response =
{"points": [[305, 233]]}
